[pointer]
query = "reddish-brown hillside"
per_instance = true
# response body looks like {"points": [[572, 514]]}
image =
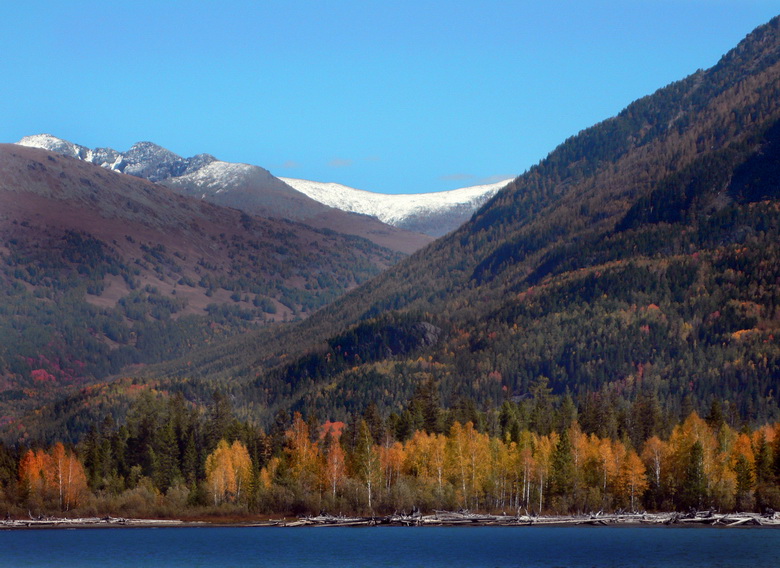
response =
{"points": [[99, 270]]}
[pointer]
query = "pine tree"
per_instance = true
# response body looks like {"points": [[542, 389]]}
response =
{"points": [[562, 474], [693, 489], [743, 497]]}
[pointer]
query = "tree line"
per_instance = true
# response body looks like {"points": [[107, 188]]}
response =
{"points": [[173, 459]]}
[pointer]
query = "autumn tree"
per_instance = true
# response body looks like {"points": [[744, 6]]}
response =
{"points": [[545, 448], [303, 455], [469, 461], [228, 472], [692, 456], [56, 477], [426, 460], [391, 459], [654, 456], [526, 465], [632, 479], [34, 473], [500, 478], [606, 460], [335, 469], [366, 461]]}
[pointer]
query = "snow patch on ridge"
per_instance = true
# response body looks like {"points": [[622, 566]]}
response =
{"points": [[54, 144], [395, 209], [216, 176]]}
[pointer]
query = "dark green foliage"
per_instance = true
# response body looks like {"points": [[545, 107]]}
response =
{"points": [[562, 475], [744, 499], [165, 439], [693, 488]]}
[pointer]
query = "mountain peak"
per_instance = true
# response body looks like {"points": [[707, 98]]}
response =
{"points": [[54, 144], [153, 162]]}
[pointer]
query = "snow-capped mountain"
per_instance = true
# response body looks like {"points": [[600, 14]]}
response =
{"points": [[255, 190], [435, 213], [241, 186], [144, 159]]}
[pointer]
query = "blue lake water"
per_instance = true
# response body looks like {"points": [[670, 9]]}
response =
{"points": [[449, 547]]}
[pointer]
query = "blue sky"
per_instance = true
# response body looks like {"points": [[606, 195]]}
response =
{"points": [[395, 97]]}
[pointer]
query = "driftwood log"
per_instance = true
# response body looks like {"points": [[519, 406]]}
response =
{"points": [[438, 518], [460, 518], [50, 522]]}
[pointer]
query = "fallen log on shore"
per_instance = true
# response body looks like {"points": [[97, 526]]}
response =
{"points": [[438, 518], [52, 522], [464, 518]]}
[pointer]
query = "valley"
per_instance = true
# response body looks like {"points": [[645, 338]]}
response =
{"points": [[601, 331]]}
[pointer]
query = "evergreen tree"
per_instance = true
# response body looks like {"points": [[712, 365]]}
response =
{"points": [[542, 409], [743, 497], [567, 413], [375, 423], [166, 463], [693, 489], [763, 468], [220, 420], [562, 474], [509, 422]]}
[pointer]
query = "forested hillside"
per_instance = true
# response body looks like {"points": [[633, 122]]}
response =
{"points": [[639, 256], [556, 353], [635, 267], [100, 271]]}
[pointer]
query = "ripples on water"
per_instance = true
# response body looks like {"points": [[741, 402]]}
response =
{"points": [[450, 547]]}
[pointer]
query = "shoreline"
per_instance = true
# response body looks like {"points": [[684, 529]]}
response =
{"points": [[439, 518]]}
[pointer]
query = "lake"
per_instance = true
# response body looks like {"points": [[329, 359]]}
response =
{"points": [[450, 547]]}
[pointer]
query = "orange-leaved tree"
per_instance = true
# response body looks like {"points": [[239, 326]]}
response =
{"points": [[53, 477]]}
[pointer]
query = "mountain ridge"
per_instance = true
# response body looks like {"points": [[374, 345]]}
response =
{"points": [[249, 188], [433, 214], [538, 252], [634, 272], [100, 271]]}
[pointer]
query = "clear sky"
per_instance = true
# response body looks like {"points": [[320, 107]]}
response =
{"points": [[394, 96]]}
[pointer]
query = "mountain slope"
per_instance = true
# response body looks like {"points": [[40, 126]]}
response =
{"points": [[574, 273], [434, 214], [100, 270], [637, 267], [248, 188]]}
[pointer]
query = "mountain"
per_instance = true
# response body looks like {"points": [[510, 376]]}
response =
{"points": [[100, 270], [256, 191], [434, 214], [144, 159], [633, 275], [640, 254], [248, 188]]}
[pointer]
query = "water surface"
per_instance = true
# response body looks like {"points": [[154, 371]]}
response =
{"points": [[450, 547]]}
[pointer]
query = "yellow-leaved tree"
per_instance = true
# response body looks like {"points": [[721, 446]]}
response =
{"points": [[228, 472], [303, 455], [632, 478]]}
